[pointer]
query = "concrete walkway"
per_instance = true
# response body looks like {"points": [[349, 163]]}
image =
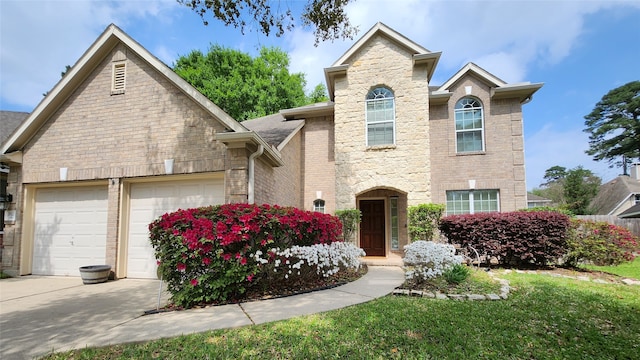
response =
{"points": [[40, 314]]}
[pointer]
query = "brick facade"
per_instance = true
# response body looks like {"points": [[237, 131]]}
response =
{"points": [[319, 163], [499, 167]]}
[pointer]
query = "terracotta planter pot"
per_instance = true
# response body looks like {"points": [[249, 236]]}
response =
{"points": [[95, 274]]}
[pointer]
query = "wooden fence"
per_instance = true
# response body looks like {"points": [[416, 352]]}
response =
{"points": [[632, 224]]}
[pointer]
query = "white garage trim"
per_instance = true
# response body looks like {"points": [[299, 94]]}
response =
{"points": [[29, 218], [144, 200]]}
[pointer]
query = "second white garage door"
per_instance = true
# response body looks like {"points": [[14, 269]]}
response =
{"points": [[151, 200]]}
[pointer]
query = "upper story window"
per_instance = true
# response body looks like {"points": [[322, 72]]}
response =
{"points": [[318, 205], [118, 78], [469, 125], [381, 117]]}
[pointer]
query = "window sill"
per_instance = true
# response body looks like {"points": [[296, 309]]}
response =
{"points": [[471, 153], [380, 147]]}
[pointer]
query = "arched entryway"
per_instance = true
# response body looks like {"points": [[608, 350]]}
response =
{"points": [[383, 223]]}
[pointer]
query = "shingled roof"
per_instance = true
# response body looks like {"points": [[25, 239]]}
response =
{"points": [[274, 129], [614, 193], [9, 122]]}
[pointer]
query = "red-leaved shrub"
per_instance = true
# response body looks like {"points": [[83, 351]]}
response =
{"points": [[514, 238], [204, 254]]}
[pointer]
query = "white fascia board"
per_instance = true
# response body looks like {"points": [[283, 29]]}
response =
{"points": [[274, 156]]}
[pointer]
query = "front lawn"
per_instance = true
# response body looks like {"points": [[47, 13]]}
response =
{"points": [[628, 269], [545, 317]]}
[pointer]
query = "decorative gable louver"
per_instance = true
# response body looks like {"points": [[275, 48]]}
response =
{"points": [[118, 78]]}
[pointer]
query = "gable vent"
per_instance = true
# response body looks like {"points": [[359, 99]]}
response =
{"points": [[118, 78]]}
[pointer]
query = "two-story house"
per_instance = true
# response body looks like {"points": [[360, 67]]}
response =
{"points": [[122, 139]]}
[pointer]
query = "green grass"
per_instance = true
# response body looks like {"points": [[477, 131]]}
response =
{"points": [[628, 269], [544, 318], [478, 282]]}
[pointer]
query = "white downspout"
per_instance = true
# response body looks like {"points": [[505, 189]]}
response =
{"points": [[252, 174]]}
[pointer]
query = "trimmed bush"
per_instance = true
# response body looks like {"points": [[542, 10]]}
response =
{"points": [[426, 259], [514, 238], [550, 208], [350, 218], [600, 243], [424, 220], [305, 264], [204, 254]]}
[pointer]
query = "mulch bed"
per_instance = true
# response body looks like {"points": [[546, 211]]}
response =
{"points": [[292, 288]]}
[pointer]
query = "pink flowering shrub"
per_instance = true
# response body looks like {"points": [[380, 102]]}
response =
{"points": [[205, 254], [600, 243]]}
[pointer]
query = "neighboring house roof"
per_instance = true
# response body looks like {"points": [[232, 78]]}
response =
{"points": [[614, 193], [274, 129], [9, 122], [532, 198], [110, 38], [499, 88], [420, 54], [630, 213]]}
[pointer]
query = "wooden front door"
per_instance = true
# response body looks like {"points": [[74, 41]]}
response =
{"points": [[372, 227]]}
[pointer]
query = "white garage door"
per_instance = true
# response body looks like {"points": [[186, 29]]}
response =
{"points": [[70, 229], [151, 200]]}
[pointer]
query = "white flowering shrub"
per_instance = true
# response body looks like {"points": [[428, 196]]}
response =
{"points": [[426, 259], [307, 262]]}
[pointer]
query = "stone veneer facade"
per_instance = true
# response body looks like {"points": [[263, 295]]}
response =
{"points": [[405, 166]]}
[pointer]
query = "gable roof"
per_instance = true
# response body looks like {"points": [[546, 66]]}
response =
{"points": [[9, 122], [614, 193], [499, 88], [106, 42], [421, 55]]}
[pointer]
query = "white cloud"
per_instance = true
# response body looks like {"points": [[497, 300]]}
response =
{"points": [[504, 37], [549, 147]]}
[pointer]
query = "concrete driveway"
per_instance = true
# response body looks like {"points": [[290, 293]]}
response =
{"points": [[42, 313]]}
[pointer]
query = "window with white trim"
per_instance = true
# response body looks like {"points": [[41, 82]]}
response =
{"points": [[469, 125], [381, 117], [118, 78], [472, 201], [318, 205]]}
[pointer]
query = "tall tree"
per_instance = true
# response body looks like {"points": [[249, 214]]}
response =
{"points": [[571, 189], [327, 17], [614, 126], [554, 174], [580, 187], [319, 94], [244, 87]]}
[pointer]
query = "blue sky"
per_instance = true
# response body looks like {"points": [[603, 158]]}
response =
{"points": [[579, 49]]}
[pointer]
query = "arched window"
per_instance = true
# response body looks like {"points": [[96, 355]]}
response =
{"points": [[381, 117], [469, 125], [318, 205]]}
